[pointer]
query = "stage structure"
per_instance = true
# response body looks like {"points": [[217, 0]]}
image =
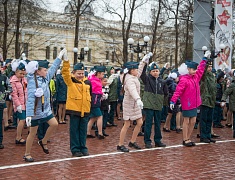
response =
{"points": [[201, 28]]}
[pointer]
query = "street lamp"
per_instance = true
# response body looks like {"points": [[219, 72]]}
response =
{"points": [[139, 48], [204, 48], [222, 47], [82, 54], [103, 63]]}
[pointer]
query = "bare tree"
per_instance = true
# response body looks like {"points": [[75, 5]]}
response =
{"points": [[78, 8], [126, 17]]}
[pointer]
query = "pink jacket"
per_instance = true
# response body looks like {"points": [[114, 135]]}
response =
{"points": [[188, 89], [19, 92], [96, 85]]}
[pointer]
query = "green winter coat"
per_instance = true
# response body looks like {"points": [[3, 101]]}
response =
{"points": [[208, 89], [230, 91], [113, 87], [153, 101]]}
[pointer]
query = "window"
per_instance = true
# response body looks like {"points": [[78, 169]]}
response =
{"points": [[48, 52], [55, 53]]}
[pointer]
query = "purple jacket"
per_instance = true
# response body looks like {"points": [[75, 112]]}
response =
{"points": [[188, 89]]}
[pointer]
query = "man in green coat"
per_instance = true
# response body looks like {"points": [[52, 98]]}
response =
{"points": [[230, 92], [208, 95]]}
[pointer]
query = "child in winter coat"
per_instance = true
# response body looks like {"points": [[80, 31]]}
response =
{"points": [[104, 104], [38, 108], [78, 106], [188, 90], [132, 105], [154, 91], [171, 82], [96, 114], [19, 96]]}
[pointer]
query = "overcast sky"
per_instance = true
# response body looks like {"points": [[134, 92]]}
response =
{"points": [[141, 15]]}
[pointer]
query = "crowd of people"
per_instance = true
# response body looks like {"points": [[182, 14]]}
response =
{"points": [[140, 93]]}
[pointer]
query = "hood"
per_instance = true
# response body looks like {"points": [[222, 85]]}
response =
{"points": [[108, 68]]}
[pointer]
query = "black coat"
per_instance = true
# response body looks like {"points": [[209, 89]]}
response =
{"points": [[153, 86], [61, 88]]}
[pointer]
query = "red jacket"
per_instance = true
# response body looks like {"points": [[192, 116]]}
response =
{"points": [[19, 92], [188, 89]]}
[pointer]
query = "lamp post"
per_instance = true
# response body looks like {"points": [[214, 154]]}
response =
{"points": [[139, 48], [204, 48], [82, 54], [103, 63], [222, 47]]}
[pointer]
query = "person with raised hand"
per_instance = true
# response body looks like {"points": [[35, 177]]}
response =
{"points": [[132, 105], [154, 91], [38, 108], [78, 106], [188, 90]]}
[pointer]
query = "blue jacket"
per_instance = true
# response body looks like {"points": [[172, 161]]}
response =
{"points": [[61, 89], [44, 84]]}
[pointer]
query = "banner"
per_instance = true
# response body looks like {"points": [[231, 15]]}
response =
{"points": [[223, 33]]}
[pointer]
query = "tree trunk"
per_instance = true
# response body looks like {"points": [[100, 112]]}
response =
{"points": [[4, 49], [76, 40], [176, 34], [154, 40], [17, 49], [187, 51], [126, 32]]}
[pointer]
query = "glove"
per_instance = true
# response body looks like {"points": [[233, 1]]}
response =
{"points": [[61, 54], [28, 121], [222, 104], [172, 105], [19, 109], [38, 92], [140, 103], [147, 57], [207, 54], [66, 56]]}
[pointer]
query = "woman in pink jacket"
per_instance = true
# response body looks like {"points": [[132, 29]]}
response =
{"points": [[19, 97], [188, 90]]}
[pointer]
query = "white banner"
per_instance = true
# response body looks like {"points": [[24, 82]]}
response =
{"points": [[223, 33]]}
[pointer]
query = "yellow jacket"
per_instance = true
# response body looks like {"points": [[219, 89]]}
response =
{"points": [[79, 93]]}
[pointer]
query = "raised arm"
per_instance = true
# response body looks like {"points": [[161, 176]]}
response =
{"points": [[142, 68], [66, 73]]}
